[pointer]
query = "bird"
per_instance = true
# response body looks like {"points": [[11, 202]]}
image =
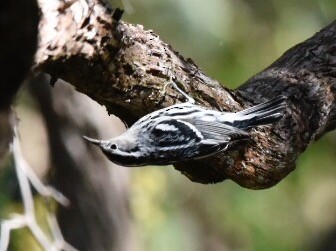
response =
{"points": [[186, 131]]}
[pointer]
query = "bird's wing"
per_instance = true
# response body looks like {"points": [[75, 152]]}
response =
{"points": [[218, 131], [192, 139], [178, 133], [174, 133]]}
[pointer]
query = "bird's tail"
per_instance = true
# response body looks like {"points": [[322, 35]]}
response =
{"points": [[262, 114]]}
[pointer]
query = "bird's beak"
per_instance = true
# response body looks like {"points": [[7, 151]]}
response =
{"points": [[93, 141]]}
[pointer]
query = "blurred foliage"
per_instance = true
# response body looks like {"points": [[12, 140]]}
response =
{"points": [[231, 40]]}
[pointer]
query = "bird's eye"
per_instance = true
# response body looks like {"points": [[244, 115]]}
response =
{"points": [[113, 146]]}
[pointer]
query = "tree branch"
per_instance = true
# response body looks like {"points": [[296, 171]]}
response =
{"points": [[124, 67]]}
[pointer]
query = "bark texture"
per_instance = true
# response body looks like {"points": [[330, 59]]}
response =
{"points": [[124, 67]]}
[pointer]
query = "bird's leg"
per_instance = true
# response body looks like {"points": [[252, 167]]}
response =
{"points": [[174, 85]]}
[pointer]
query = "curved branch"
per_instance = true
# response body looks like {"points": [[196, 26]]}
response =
{"points": [[124, 67]]}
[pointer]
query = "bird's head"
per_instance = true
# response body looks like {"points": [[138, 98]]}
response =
{"points": [[120, 150]]}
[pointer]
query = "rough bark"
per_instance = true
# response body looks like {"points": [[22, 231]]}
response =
{"points": [[125, 68]]}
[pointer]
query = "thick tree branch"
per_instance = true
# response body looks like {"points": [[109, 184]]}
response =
{"points": [[124, 67]]}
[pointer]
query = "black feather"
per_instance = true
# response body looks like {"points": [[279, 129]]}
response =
{"points": [[219, 131], [262, 114], [174, 133], [276, 103]]}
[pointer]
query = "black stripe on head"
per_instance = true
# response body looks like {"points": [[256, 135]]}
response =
{"points": [[182, 113]]}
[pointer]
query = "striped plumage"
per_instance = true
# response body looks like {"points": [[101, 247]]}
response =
{"points": [[185, 131]]}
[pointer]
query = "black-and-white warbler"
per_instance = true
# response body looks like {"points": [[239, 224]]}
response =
{"points": [[185, 131]]}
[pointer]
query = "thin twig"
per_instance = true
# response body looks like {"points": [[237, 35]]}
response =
{"points": [[25, 174], [44, 190], [7, 226], [57, 234]]}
